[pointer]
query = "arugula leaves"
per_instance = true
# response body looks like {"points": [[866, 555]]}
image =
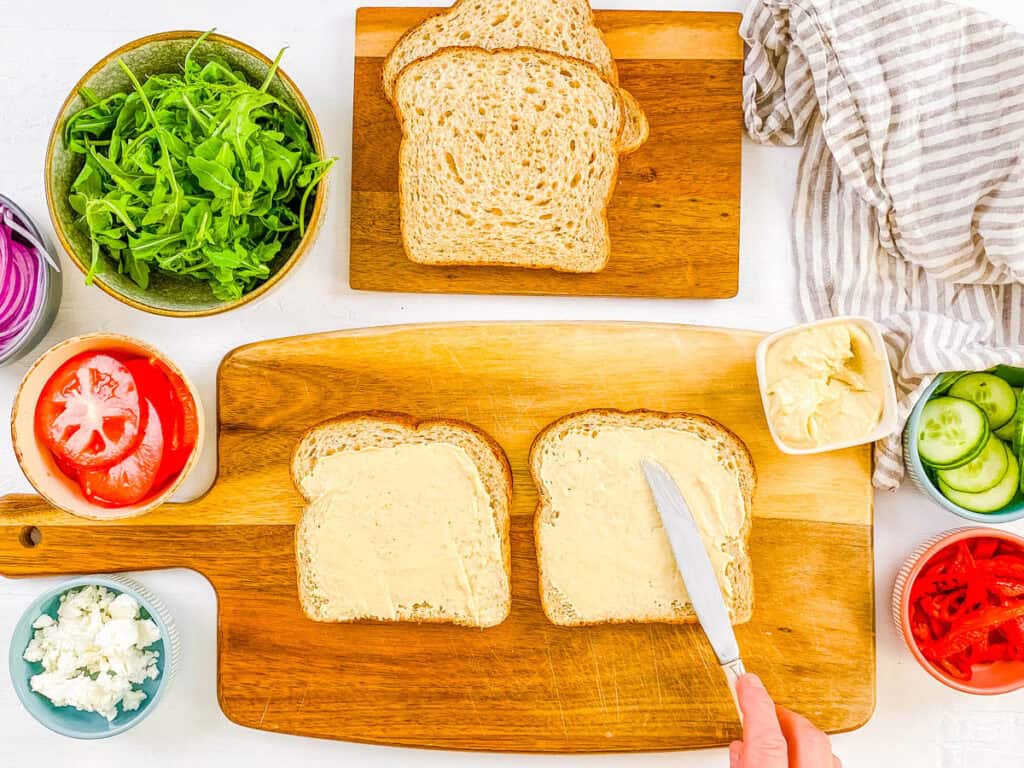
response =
{"points": [[195, 173]]}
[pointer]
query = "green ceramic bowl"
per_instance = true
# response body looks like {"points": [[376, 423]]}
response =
{"points": [[164, 52], [69, 721]]}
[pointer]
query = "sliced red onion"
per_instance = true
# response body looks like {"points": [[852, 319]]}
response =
{"points": [[15, 225], [22, 281]]}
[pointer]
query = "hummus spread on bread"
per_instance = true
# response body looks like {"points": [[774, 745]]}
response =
{"points": [[403, 526], [608, 546]]}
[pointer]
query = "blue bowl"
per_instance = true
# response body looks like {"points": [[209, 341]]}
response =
{"points": [[69, 721], [923, 481]]}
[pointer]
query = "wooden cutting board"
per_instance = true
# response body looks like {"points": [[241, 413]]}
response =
{"points": [[525, 685], [675, 214]]}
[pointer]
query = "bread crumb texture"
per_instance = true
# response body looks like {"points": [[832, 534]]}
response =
{"points": [[507, 157]]}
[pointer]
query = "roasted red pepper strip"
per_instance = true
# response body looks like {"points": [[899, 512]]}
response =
{"points": [[940, 578], [967, 606], [956, 642], [951, 605], [921, 631], [930, 606], [938, 627], [970, 630], [1013, 631], [1007, 588], [1009, 566], [983, 549], [956, 667], [998, 651]]}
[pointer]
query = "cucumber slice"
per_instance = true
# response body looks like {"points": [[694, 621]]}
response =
{"points": [[1007, 431], [948, 380], [993, 499], [1020, 461], [952, 432], [979, 475], [1011, 374], [990, 393], [1018, 428]]}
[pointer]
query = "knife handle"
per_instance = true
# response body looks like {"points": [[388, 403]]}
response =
{"points": [[733, 671]]}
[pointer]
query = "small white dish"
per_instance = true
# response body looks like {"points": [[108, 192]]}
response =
{"points": [[886, 425]]}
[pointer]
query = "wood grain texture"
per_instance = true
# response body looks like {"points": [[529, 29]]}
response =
{"points": [[525, 685], [629, 34], [674, 217]]}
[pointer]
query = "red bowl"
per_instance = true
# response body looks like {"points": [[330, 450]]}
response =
{"points": [[986, 679]]}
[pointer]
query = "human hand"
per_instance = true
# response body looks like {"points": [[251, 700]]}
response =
{"points": [[774, 737]]}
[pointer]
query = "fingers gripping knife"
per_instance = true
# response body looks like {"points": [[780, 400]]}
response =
{"points": [[697, 572]]}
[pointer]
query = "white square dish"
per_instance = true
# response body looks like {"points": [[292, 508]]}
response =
{"points": [[886, 425]]}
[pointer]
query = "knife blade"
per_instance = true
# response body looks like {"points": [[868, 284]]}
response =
{"points": [[697, 572]]}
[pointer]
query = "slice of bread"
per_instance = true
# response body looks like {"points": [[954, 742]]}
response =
{"points": [[507, 158], [636, 130], [561, 26], [406, 521], [601, 548]]}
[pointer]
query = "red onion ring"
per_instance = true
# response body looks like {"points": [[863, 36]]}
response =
{"points": [[22, 286]]}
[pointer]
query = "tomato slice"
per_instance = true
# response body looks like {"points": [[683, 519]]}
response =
{"points": [[88, 413], [154, 386], [130, 480], [187, 429], [68, 469], [190, 431]]}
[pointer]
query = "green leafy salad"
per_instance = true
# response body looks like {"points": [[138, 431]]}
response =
{"points": [[195, 173]]}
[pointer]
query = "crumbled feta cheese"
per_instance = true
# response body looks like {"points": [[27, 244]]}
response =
{"points": [[94, 653]]}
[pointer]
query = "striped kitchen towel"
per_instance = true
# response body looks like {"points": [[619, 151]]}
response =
{"points": [[909, 205]]}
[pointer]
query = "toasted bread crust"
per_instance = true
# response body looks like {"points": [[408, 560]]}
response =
{"points": [[646, 419], [636, 129], [612, 75], [501, 498]]}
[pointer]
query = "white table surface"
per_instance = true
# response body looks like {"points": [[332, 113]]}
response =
{"points": [[917, 722]]}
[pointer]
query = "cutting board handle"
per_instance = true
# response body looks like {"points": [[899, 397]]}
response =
{"points": [[48, 542]]}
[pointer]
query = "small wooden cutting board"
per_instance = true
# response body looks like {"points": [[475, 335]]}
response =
{"points": [[674, 217], [525, 685]]}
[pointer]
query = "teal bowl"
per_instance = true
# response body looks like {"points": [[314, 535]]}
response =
{"points": [[68, 721], [922, 479]]}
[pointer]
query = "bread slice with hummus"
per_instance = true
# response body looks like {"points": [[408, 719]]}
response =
{"points": [[406, 521], [601, 548]]}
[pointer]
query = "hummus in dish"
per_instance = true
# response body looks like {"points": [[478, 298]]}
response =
{"points": [[825, 385]]}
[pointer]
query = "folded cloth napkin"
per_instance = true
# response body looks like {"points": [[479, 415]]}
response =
{"points": [[909, 206]]}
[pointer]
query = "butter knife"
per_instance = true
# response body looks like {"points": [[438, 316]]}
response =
{"points": [[697, 572]]}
